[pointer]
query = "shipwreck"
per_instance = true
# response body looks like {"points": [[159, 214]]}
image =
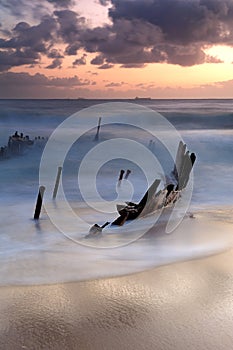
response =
{"points": [[153, 199]]}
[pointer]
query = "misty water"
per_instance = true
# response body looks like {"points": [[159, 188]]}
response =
{"points": [[55, 249]]}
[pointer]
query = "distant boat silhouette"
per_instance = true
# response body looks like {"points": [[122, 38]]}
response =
{"points": [[142, 98]]}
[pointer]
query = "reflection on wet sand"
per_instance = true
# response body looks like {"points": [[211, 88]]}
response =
{"points": [[181, 306]]}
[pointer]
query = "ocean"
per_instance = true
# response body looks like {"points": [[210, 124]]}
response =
{"points": [[141, 136]]}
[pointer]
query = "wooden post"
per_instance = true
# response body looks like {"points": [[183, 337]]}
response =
{"points": [[120, 177], [127, 174], [98, 130], [57, 182], [39, 202]]}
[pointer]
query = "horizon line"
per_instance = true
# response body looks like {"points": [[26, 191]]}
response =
{"points": [[120, 98]]}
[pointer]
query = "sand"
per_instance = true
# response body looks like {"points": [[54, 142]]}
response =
{"points": [[187, 305]]}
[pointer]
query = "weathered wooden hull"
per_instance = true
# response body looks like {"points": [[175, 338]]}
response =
{"points": [[153, 201]]}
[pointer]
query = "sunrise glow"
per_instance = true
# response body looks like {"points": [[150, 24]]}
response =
{"points": [[116, 49]]}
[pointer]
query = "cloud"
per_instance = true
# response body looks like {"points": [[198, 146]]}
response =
{"points": [[56, 63], [25, 9], [60, 26], [98, 60], [36, 37], [153, 31], [54, 53], [141, 32], [63, 26], [113, 85], [92, 73], [106, 66], [11, 58], [24, 85], [33, 9], [71, 49], [212, 59], [5, 32], [133, 65], [23, 79], [61, 3], [71, 25], [27, 43], [80, 61], [93, 39], [171, 31], [182, 22], [104, 2]]}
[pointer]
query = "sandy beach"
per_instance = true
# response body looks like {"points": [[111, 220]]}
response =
{"points": [[186, 305]]}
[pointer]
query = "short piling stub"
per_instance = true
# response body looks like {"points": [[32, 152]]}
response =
{"points": [[59, 170], [128, 172], [39, 202], [120, 177], [98, 130]]}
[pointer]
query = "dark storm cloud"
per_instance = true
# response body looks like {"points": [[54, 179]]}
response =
{"points": [[71, 25], [27, 43], [181, 21], [141, 32], [96, 39], [171, 31], [34, 37], [71, 29], [148, 31], [34, 40], [71, 49], [63, 26], [11, 58]]}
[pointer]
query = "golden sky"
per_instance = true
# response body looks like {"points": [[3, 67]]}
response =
{"points": [[118, 49]]}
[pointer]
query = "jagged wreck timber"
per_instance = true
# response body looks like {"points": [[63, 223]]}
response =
{"points": [[96, 229], [153, 200]]}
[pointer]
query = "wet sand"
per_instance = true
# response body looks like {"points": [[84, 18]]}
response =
{"points": [[187, 305]]}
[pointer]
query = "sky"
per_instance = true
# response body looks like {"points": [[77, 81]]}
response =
{"points": [[116, 48]]}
